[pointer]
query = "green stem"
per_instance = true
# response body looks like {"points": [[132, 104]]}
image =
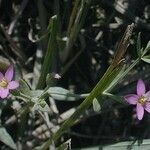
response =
{"points": [[50, 53], [105, 83], [98, 90], [123, 75]]}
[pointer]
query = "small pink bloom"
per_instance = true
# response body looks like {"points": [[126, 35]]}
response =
{"points": [[6, 83], [141, 99]]}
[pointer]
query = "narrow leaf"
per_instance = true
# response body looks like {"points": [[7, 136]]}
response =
{"points": [[146, 49], [50, 53], [6, 138], [96, 105], [40, 105], [97, 91], [35, 93], [62, 94], [148, 45], [113, 77], [23, 88], [121, 75], [146, 58]]}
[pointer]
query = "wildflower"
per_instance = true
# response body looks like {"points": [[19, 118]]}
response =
{"points": [[141, 99], [6, 83]]}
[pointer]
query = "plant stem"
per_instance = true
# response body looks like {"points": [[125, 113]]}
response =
{"points": [[51, 49]]}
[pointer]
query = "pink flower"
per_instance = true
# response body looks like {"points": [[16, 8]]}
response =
{"points": [[141, 100], [6, 83]]}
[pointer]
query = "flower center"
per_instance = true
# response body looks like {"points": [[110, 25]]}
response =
{"points": [[3, 83], [142, 100]]}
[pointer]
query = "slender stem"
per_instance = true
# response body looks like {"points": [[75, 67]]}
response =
{"points": [[98, 90], [50, 53], [123, 74], [104, 83]]}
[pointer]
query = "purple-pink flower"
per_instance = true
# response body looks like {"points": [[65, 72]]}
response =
{"points": [[141, 99], [6, 83]]}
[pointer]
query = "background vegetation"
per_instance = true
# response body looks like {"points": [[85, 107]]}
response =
{"points": [[76, 39]]}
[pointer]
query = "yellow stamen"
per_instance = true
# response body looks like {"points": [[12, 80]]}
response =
{"points": [[142, 100], [3, 83]]}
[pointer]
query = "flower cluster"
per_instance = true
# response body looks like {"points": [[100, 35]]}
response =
{"points": [[141, 99], [6, 83]]}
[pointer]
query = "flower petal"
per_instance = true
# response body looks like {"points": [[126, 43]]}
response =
{"points": [[9, 73], [4, 93], [13, 85], [140, 87], [139, 111], [131, 99], [1, 76], [147, 95], [147, 107]]}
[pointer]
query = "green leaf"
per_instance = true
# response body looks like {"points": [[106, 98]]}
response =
{"points": [[35, 93], [148, 45], [6, 138], [98, 90], [49, 79], [62, 94], [50, 53], [22, 91], [146, 49], [2, 105], [96, 105], [121, 74], [114, 77], [146, 58], [23, 88], [40, 105]]}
